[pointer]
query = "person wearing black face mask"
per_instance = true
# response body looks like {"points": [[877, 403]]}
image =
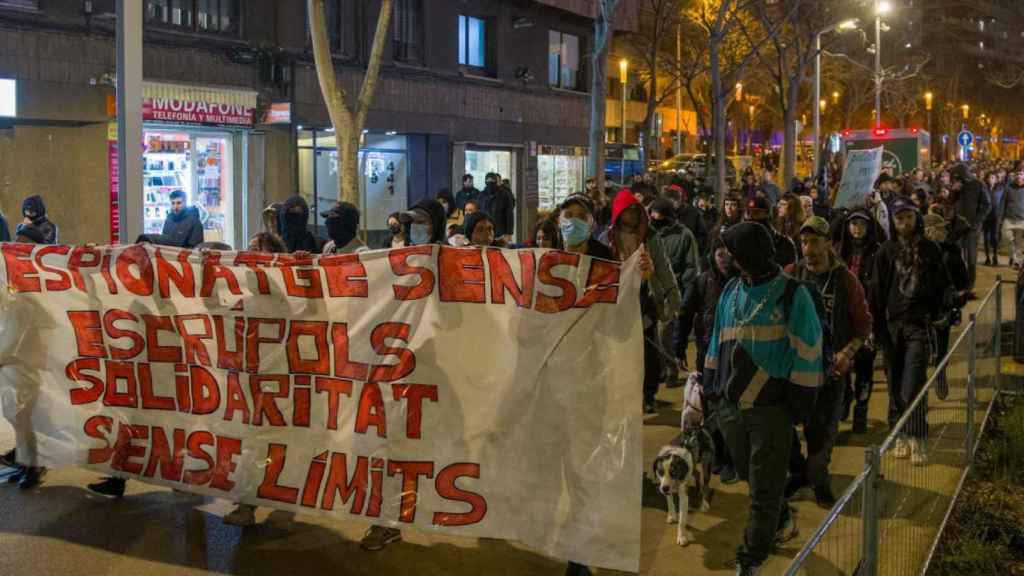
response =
{"points": [[294, 232], [342, 223]]}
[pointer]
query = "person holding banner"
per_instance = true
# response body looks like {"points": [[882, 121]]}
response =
{"points": [[660, 299]]}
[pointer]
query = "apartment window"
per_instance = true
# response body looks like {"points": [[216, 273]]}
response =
{"points": [[407, 38], [219, 16], [472, 42], [563, 60]]}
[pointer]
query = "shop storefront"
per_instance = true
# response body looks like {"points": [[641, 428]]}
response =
{"points": [[561, 171], [482, 159], [194, 140], [383, 176]]}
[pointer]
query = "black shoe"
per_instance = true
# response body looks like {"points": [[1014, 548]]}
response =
{"points": [[16, 477], [729, 476], [649, 408], [10, 459], [847, 407], [794, 485], [31, 477], [113, 487], [860, 420], [824, 497], [574, 569]]}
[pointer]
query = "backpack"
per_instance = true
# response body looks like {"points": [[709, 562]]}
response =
{"points": [[788, 295]]}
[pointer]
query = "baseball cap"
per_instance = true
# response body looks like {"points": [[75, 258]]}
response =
{"points": [[339, 209], [580, 199], [815, 225], [903, 205]]}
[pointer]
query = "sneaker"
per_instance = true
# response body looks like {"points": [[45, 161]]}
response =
{"points": [[729, 475], [788, 530], [243, 515], [860, 420], [31, 477], [747, 570], [796, 483], [824, 497], [110, 486], [649, 408], [16, 477], [942, 389], [901, 449], [10, 459], [377, 537], [574, 569], [918, 452]]}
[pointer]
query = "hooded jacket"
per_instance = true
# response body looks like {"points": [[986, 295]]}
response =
{"points": [[184, 230], [296, 236], [680, 247], [437, 220], [662, 287], [40, 222], [917, 302], [699, 303], [845, 303], [860, 259], [498, 201], [972, 202], [5, 232], [763, 352]]}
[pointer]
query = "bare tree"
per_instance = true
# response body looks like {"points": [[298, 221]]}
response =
{"points": [[655, 47], [347, 118], [730, 52], [604, 27]]}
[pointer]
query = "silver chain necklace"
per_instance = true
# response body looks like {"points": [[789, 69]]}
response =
{"points": [[742, 322]]}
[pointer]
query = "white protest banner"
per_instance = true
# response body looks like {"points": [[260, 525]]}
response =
{"points": [[860, 171], [475, 392]]}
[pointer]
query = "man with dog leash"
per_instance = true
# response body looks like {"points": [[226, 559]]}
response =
{"points": [[848, 317], [765, 362]]}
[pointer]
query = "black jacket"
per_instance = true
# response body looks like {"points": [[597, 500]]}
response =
{"points": [[298, 238], [465, 195], [699, 304], [498, 201], [5, 232], [690, 216], [183, 230], [924, 303], [40, 222], [973, 203]]}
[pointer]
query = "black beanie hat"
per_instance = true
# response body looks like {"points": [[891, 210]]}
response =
{"points": [[751, 245], [664, 207]]}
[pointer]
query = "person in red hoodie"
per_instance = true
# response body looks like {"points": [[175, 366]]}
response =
{"points": [[659, 294]]}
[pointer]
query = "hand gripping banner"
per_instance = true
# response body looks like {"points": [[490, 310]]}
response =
{"points": [[475, 392]]}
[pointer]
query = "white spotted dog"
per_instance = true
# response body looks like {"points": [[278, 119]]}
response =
{"points": [[686, 460]]}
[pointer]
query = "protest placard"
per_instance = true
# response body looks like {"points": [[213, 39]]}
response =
{"points": [[860, 171]]}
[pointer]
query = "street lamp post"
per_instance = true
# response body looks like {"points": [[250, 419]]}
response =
{"points": [[623, 71], [881, 7], [844, 25], [928, 96], [679, 91]]}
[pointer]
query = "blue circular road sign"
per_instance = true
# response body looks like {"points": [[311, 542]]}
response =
{"points": [[965, 138]]}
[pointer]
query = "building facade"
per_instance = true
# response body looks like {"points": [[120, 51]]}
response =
{"points": [[234, 116]]}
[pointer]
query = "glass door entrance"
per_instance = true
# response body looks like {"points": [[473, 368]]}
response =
{"points": [[198, 164]]}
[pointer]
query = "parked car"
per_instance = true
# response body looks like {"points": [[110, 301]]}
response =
{"points": [[622, 161], [697, 164]]}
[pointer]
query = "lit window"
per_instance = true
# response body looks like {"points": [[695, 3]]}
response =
{"points": [[220, 16], [563, 60], [472, 42]]}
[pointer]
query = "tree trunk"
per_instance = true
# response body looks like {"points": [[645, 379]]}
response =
{"points": [[718, 122], [653, 142], [603, 27], [789, 133], [348, 122]]}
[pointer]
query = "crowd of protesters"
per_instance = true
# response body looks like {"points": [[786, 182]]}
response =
{"points": [[788, 300]]}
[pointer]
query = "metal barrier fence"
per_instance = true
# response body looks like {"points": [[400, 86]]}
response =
{"points": [[889, 519]]}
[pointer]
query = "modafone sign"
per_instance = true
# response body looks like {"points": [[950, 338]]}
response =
{"points": [[198, 113]]}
